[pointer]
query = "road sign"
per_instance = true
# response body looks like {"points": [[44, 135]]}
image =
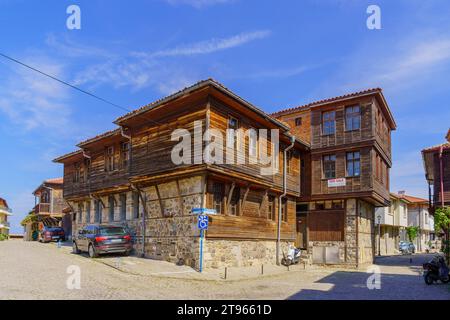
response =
{"points": [[203, 222], [203, 211]]}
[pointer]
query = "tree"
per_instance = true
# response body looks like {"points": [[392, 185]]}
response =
{"points": [[442, 224], [412, 232]]}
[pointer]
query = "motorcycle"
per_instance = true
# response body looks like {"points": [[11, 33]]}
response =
{"points": [[292, 257], [436, 269]]}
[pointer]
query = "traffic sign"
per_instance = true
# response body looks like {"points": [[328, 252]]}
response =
{"points": [[202, 222], [203, 211]]}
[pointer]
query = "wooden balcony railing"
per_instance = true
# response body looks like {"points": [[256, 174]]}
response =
{"points": [[42, 208]]}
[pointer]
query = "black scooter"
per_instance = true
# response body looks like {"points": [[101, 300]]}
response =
{"points": [[436, 269]]}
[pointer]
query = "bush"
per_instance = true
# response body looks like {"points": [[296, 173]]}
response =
{"points": [[3, 237]]}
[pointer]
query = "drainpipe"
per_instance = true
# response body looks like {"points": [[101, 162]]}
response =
{"points": [[280, 202], [441, 167]]}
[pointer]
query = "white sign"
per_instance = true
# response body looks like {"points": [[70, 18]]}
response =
{"points": [[336, 182]]}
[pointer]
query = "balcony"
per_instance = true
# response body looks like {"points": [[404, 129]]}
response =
{"points": [[4, 224], [42, 208], [5, 210]]}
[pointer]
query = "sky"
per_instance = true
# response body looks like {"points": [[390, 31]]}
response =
{"points": [[275, 54]]}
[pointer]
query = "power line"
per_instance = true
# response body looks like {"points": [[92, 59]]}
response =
{"points": [[72, 86]]}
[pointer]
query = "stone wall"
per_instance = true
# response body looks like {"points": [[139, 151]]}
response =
{"points": [[240, 253], [366, 235]]}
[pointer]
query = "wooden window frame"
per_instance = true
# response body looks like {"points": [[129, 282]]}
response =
{"points": [[271, 207], [255, 140], [125, 155], [218, 199], [352, 115], [110, 159], [325, 162], [328, 122], [351, 163], [298, 121], [235, 202]]}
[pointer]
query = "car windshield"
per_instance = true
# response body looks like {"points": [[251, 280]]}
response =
{"points": [[112, 231]]}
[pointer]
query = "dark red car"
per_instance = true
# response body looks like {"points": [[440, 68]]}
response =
{"points": [[49, 234]]}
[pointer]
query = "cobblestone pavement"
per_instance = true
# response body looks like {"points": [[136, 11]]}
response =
{"points": [[32, 270]]}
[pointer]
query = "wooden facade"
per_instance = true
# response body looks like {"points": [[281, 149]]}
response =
{"points": [[136, 159], [437, 172]]}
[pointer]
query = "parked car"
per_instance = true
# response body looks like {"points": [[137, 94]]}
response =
{"points": [[102, 239], [407, 247], [49, 234]]}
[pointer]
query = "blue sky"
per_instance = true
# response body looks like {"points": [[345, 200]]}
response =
{"points": [[274, 54]]}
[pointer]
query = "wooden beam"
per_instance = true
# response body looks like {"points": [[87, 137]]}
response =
{"points": [[244, 199], [263, 201], [230, 193]]}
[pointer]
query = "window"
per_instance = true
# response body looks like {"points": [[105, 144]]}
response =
{"points": [[353, 164], [87, 171], [352, 118], [111, 208], [109, 159], [231, 135], [234, 202], [123, 207], [88, 212], [80, 213], [77, 173], [271, 208], [284, 216], [125, 155], [298, 122], [253, 143], [98, 211], [218, 192], [329, 166], [289, 162], [136, 205], [328, 122]]}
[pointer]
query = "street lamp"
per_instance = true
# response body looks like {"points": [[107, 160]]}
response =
{"points": [[379, 235]]}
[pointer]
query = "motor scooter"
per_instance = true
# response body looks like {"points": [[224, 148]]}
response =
{"points": [[292, 256], [436, 269]]}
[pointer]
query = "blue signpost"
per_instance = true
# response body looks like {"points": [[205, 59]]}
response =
{"points": [[202, 226]]}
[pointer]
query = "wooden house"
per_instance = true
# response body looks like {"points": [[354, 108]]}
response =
{"points": [[48, 209], [436, 161], [350, 159], [128, 177]]}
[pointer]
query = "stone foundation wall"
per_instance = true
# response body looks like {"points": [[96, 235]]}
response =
{"points": [[240, 253], [366, 235]]}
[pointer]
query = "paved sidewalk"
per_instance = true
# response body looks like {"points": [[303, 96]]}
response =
{"points": [[156, 268]]}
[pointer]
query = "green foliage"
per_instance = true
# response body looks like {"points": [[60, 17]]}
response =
{"points": [[412, 232], [441, 219], [3, 237]]}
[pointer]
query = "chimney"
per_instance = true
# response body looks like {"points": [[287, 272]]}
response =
{"points": [[402, 192]]}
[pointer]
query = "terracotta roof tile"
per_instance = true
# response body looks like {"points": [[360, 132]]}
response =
{"points": [[412, 199], [55, 181], [99, 137], [437, 147], [324, 101], [68, 155]]}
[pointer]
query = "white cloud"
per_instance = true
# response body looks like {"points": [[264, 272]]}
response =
{"points": [[198, 3], [33, 101], [210, 46], [141, 69]]}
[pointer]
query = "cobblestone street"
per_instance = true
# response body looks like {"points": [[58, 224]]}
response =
{"points": [[32, 270]]}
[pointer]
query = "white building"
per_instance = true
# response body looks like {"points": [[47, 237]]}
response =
{"points": [[393, 221]]}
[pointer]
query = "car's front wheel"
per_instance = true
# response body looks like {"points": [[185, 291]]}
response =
{"points": [[92, 252], [75, 248]]}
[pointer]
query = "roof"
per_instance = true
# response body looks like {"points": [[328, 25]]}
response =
{"points": [[448, 135], [194, 87], [68, 155], [437, 147], [328, 100], [3, 203], [412, 199], [106, 134], [54, 181], [399, 197]]}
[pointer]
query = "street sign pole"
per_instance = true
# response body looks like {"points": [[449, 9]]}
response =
{"points": [[201, 250]]}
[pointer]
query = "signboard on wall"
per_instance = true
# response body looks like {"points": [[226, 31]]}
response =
{"points": [[203, 211], [340, 182]]}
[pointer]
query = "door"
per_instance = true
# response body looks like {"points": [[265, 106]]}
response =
{"points": [[301, 223], [81, 239]]}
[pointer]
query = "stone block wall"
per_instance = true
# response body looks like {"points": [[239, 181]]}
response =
{"points": [[366, 233], [220, 253]]}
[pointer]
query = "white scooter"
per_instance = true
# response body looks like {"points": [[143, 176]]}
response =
{"points": [[292, 257]]}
